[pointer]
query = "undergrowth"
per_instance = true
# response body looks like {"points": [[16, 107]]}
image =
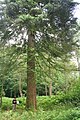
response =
{"points": [[60, 114]]}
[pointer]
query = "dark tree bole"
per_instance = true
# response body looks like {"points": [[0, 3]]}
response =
{"points": [[31, 82]]}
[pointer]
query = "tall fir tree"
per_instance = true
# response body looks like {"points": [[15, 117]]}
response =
{"points": [[49, 25]]}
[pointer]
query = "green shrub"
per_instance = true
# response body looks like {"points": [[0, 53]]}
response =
{"points": [[60, 114], [6, 103]]}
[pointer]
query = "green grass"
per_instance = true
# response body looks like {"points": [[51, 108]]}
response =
{"points": [[59, 107]]}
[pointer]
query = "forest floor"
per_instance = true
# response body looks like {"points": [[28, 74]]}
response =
{"points": [[46, 111]]}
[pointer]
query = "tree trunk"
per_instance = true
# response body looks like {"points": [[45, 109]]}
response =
{"points": [[0, 102], [50, 88], [1, 93], [20, 87], [50, 84], [31, 82], [78, 62], [45, 89]]}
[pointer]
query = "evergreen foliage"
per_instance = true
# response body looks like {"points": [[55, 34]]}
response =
{"points": [[42, 34]]}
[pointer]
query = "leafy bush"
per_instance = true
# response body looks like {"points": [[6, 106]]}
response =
{"points": [[60, 114], [72, 98], [7, 103]]}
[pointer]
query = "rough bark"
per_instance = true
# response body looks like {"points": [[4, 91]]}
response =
{"points": [[31, 82]]}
